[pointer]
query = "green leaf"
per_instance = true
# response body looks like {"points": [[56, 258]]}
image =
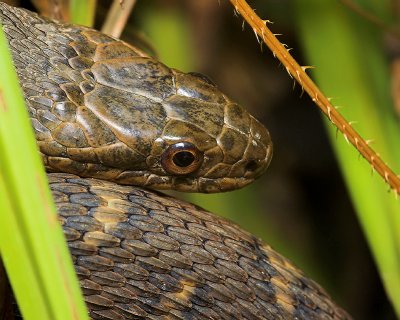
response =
{"points": [[32, 244]]}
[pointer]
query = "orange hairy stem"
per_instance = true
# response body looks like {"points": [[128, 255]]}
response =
{"points": [[299, 74]]}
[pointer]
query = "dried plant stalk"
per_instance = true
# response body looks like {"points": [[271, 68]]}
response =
{"points": [[117, 17], [262, 32]]}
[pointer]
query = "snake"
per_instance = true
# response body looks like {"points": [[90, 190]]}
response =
{"points": [[113, 124]]}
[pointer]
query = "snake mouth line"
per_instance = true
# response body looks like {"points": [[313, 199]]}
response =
{"points": [[206, 185]]}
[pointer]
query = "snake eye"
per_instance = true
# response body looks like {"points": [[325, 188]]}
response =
{"points": [[181, 158]]}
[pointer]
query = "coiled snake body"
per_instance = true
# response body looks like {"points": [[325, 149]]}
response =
{"points": [[102, 109]]}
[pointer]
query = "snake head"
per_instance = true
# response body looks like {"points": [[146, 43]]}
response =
{"points": [[122, 116], [103, 109]]}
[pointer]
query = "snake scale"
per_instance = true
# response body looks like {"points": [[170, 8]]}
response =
{"points": [[107, 117]]}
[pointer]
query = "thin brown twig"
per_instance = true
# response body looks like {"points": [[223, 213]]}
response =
{"points": [[117, 17], [298, 73]]}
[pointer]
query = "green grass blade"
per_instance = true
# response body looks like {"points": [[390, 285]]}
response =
{"points": [[15, 256], [32, 244], [351, 64]]}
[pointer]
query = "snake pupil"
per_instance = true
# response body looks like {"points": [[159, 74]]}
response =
{"points": [[183, 159]]}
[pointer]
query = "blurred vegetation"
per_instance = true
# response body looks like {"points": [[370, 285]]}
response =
{"points": [[350, 54]]}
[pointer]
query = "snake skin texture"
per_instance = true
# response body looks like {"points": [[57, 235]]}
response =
{"points": [[101, 108], [141, 254]]}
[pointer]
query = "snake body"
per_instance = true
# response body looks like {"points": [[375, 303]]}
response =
{"points": [[103, 109]]}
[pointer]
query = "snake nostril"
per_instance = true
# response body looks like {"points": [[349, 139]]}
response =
{"points": [[251, 165]]}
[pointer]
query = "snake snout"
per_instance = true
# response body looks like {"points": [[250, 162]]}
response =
{"points": [[258, 153]]}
